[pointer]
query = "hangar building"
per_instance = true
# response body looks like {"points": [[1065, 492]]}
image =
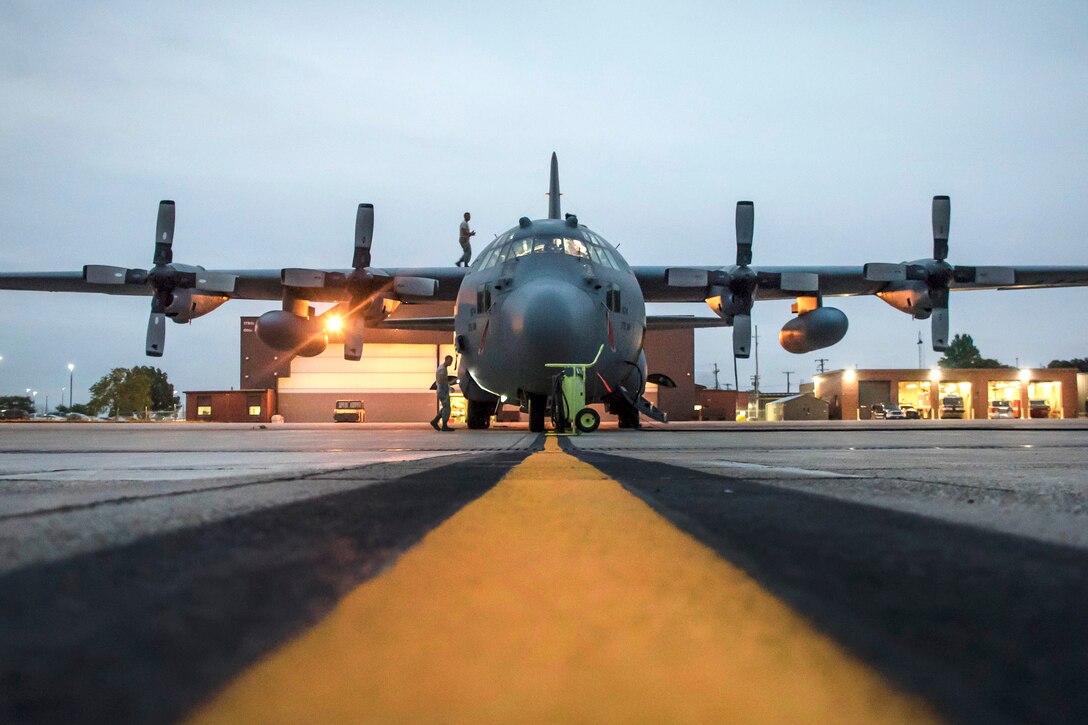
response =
{"points": [[850, 393], [393, 379]]}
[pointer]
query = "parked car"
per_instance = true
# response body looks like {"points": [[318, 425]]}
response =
{"points": [[910, 411], [1039, 408], [349, 411], [952, 406], [1001, 409], [886, 411], [14, 414]]}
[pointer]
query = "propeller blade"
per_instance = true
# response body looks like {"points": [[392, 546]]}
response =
{"points": [[164, 233], [295, 277], [745, 223], [364, 236], [104, 274], [415, 286], [686, 277], [215, 281], [882, 272], [939, 329], [942, 211], [353, 337], [156, 333], [742, 335]]}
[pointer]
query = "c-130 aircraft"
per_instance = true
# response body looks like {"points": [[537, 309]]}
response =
{"points": [[543, 299]]}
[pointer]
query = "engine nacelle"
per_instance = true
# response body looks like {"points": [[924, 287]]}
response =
{"points": [[186, 304], [288, 332], [818, 328], [911, 297]]}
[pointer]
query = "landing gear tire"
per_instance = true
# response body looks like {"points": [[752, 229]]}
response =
{"points": [[587, 420], [537, 404], [478, 415], [629, 421]]}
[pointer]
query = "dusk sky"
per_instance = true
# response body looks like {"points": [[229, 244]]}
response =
{"points": [[268, 123]]}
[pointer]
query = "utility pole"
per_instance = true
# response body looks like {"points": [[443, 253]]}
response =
{"points": [[788, 373], [821, 363], [716, 371], [755, 380]]}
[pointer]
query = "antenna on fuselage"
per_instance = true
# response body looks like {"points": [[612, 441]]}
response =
{"points": [[553, 190]]}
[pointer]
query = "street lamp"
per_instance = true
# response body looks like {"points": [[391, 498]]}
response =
{"points": [[71, 369]]}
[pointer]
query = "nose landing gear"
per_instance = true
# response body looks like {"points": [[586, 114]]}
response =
{"points": [[537, 405]]}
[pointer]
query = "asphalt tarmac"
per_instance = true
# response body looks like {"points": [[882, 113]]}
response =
{"points": [[696, 572]]}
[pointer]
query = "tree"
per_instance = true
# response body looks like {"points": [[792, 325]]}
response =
{"points": [[162, 392], [125, 391], [77, 408], [23, 402], [1080, 363], [962, 353], [122, 392]]}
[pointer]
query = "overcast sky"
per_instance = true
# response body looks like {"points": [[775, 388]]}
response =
{"points": [[268, 123]]}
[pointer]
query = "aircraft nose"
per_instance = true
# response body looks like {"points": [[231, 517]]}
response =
{"points": [[550, 321]]}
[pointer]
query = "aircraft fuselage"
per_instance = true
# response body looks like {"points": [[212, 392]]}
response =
{"points": [[549, 291]]}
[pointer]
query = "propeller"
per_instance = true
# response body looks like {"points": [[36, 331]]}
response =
{"points": [[161, 279], [361, 286], [742, 280], [730, 293], [165, 279], [937, 275]]}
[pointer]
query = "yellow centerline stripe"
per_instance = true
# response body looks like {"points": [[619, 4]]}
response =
{"points": [[559, 596]]}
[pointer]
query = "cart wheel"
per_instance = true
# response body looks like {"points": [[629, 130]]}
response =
{"points": [[587, 420]]}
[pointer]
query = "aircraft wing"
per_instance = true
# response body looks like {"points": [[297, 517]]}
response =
{"points": [[248, 284], [658, 285], [436, 324], [653, 322], [681, 322]]}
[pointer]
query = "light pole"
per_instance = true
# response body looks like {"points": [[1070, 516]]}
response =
{"points": [[71, 372]]}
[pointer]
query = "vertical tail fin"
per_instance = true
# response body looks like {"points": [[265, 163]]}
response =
{"points": [[553, 190]]}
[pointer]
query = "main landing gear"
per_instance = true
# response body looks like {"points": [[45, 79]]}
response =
{"points": [[478, 415]]}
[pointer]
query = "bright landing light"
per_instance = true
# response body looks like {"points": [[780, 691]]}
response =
{"points": [[334, 323]]}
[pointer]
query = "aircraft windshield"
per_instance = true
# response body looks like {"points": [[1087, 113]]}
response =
{"points": [[591, 248]]}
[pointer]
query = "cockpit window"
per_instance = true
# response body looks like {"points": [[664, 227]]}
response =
{"points": [[575, 248], [592, 247]]}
